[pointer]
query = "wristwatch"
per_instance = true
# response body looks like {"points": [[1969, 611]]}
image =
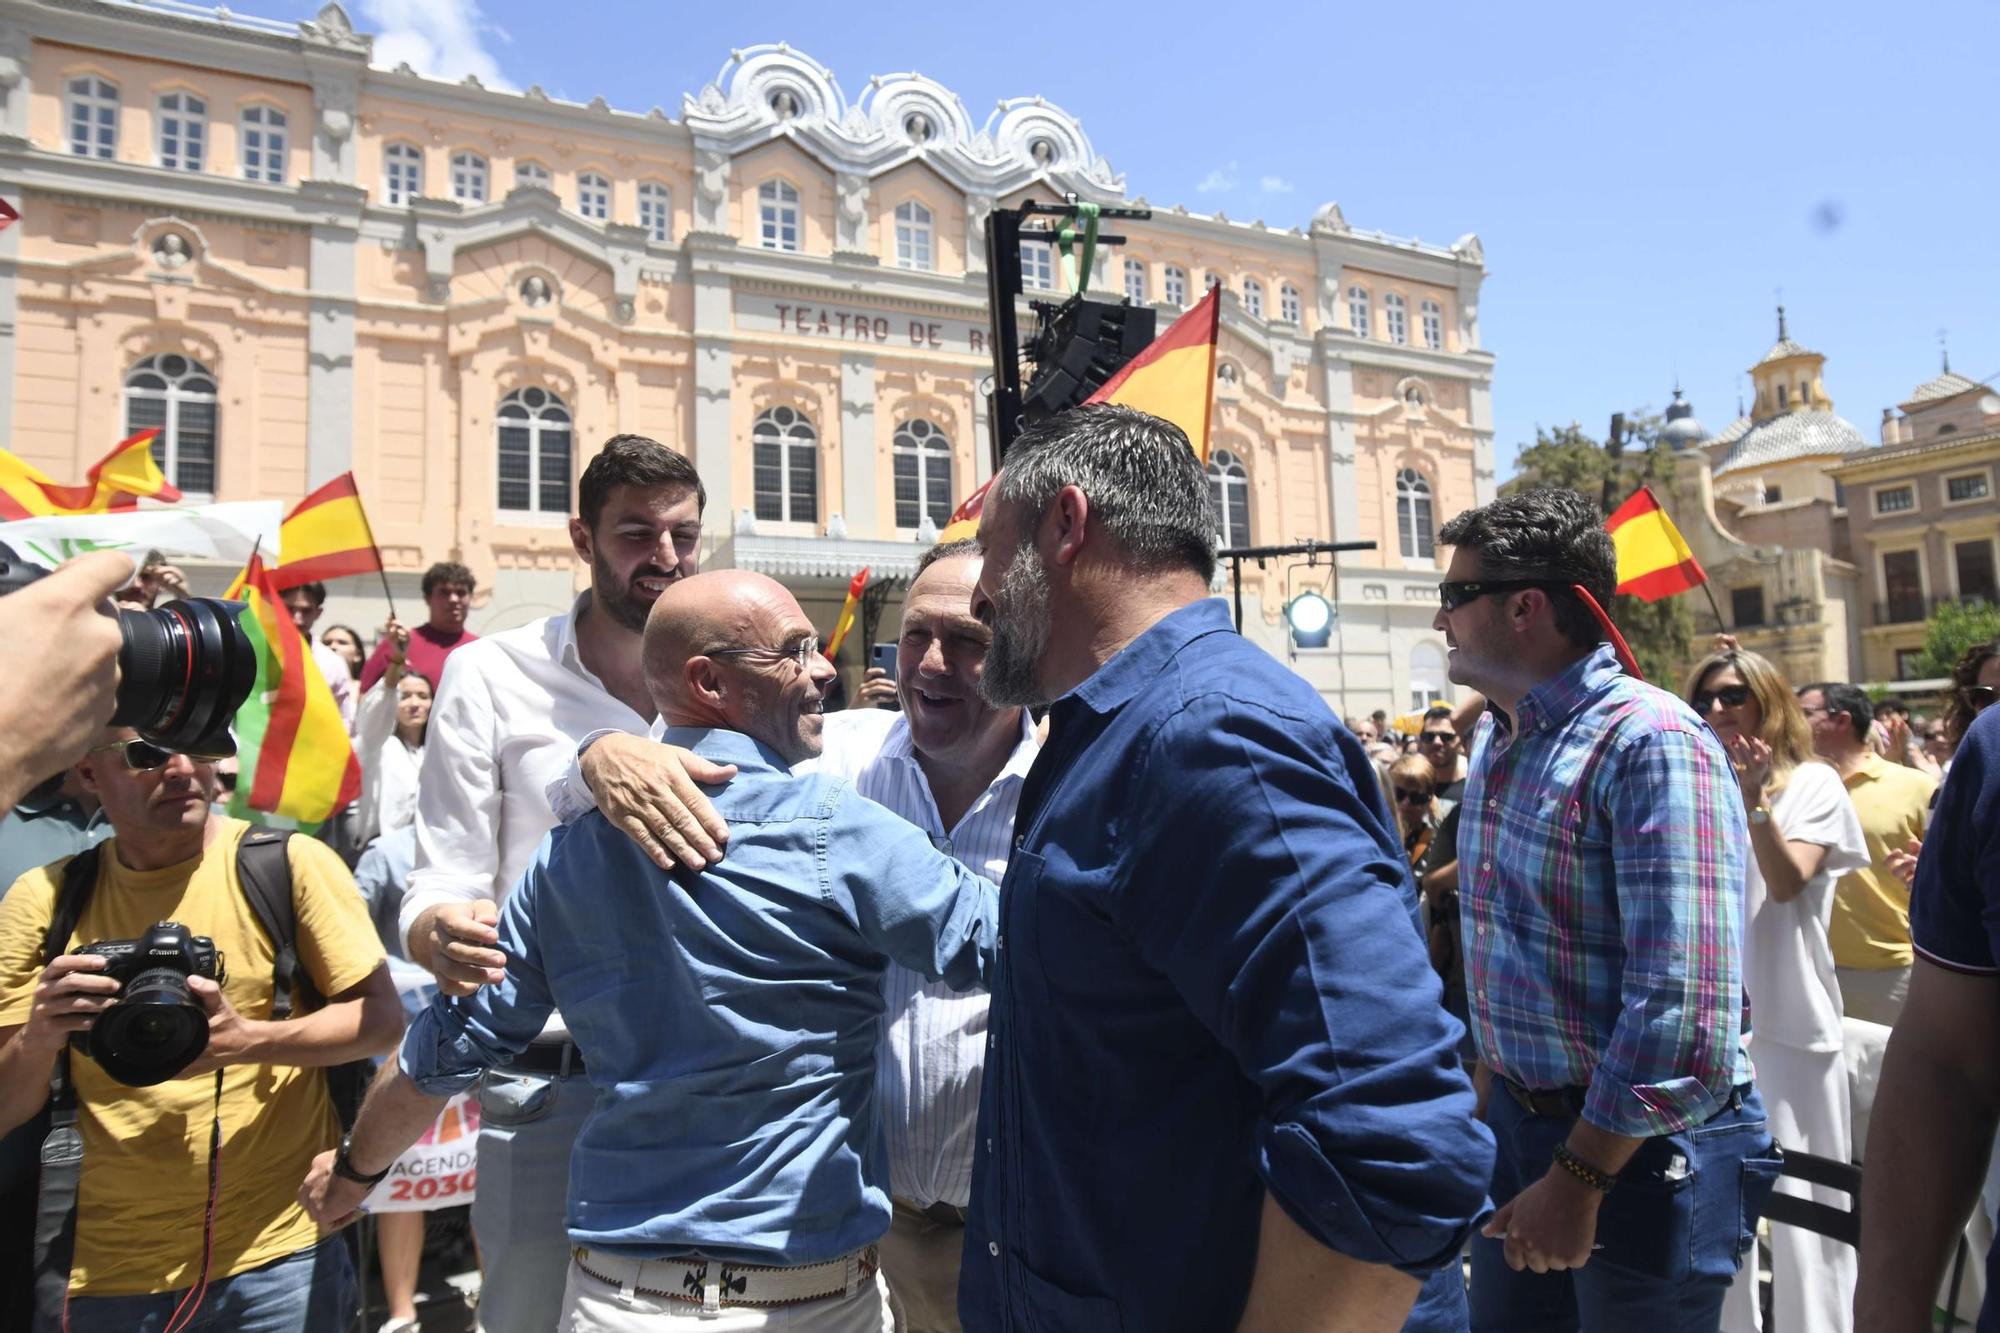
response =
{"points": [[344, 1168], [1761, 815]]}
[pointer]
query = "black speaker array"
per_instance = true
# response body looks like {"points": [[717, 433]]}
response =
{"points": [[1079, 346]]}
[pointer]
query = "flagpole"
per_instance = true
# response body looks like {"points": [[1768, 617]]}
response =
{"points": [[1721, 625], [380, 570]]}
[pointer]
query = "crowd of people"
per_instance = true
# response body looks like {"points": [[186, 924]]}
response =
{"points": [[1102, 978]]}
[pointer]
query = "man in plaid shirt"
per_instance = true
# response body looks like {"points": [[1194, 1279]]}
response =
{"points": [[1602, 844]]}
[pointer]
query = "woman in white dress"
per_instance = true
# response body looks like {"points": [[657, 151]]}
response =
{"points": [[1804, 835]]}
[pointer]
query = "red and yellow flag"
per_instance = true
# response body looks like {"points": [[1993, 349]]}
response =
{"points": [[1174, 377], [119, 480], [964, 521], [293, 754], [847, 609], [1654, 560], [326, 536]]}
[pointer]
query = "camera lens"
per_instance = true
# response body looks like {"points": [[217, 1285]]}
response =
{"points": [[184, 670], [156, 1029]]}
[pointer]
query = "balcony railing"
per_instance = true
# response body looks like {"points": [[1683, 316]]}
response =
{"points": [[1913, 610]]}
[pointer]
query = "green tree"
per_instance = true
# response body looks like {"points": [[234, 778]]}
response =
{"points": [[1661, 633], [1956, 627]]}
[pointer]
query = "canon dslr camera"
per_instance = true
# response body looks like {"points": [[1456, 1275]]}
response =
{"points": [[185, 669], [157, 1028]]}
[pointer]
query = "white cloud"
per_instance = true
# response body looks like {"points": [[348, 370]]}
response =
{"points": [[441, 39], [1218, 180], [1274, 185]]}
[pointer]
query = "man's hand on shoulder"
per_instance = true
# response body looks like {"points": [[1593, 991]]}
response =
{"points": [[464, 946], [649, 792]]}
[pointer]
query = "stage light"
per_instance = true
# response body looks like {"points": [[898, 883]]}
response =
{"points": [[1310, 617]]}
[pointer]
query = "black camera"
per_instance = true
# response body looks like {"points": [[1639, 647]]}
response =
{"points": [[184, 670], [157, 1027]]}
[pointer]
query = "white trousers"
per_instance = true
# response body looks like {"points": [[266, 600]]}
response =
{"points": [[590, 1305], [1812, 1277]]}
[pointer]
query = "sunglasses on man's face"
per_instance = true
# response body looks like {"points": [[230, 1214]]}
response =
{"points": [[139, 756], [1440, 738], [1409, 797], [1732, 696], [1452, 595]]}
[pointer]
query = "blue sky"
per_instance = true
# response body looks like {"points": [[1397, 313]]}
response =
{"points": [[1645, 179]]}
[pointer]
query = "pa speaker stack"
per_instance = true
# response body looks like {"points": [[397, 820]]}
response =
{"points": [[1080, 345]]}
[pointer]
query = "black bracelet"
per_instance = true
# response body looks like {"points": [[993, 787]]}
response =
{"points": [[343, 1166], [1601, 1181]]}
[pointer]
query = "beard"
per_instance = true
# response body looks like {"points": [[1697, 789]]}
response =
{"points": [[618, 597], [1021, 629]]}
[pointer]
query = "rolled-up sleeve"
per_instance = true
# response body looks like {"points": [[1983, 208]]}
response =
{"points": [[1678, 845], [452, 1042], [1272, 897]]}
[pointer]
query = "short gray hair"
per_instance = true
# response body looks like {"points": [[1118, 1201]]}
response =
{"points": [[1142, 477]]}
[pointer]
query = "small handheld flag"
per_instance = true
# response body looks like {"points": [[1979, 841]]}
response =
{"points": [[119, 480], [1654, 560], [293, 753], [847, 609]]}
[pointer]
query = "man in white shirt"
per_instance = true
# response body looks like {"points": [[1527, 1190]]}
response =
{"points": [[510, 710], [952, 765]]}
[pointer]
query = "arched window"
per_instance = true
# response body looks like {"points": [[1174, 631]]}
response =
{"points": [[1038, 266], [1415, 533], [535, 440], [1229, 492], [1357, 312], [468, 178], [656, 212], [93, 117], [175, 395], [1288, 304], [183, 128], [1253, 298], [1135, 282], [778, 215], [923, 474], [1433, 314], [593, 196], [1176, 287], [402, 173], [1396, 318], [913, 236], [263, 144], [531, 172], [785, 467], [1210, 280]]}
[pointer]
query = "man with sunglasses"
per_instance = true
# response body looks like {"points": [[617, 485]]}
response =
{"points": [[1870, 930], [510, 710], [733, 1161], [1601, 857], [148, 1211]]}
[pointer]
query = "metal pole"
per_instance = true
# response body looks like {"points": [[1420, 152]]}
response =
{"points": [[1236, 575]]}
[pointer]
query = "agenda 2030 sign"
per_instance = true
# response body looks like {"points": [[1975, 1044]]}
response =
{"points": [[439, 1170]]}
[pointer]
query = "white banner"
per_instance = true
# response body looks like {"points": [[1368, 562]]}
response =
{"points": [[439, 1170], [224, 532]]}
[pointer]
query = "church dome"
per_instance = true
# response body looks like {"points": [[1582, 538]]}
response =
{"points": [[1682, 431], [1791, 436]]}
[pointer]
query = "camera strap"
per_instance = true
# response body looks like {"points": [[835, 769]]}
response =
{"points": [[62, 1148]]}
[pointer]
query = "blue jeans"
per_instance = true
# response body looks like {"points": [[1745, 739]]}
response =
{"points": [[1669, 1238], [308, 1292]]}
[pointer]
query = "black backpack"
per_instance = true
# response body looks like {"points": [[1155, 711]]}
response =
{"points": [[264, 870]]}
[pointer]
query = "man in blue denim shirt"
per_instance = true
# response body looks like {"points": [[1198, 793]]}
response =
{"points": [[734, 1158], [1221, 1091]]}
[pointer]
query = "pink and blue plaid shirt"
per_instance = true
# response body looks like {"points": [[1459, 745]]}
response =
{"points": [[1601, 858]]}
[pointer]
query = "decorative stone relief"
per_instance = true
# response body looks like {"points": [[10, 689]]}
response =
{"points": [[535, 291], [171, 250], [711, 185], [852, 230], [977, 207]]}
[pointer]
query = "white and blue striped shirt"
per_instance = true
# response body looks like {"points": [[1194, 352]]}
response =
{"points": [[934, 1038]]}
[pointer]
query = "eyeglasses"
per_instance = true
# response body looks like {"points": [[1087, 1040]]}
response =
{"points": [[803, 652], [1411, 797], [139, 756], [1451, 596], [1439, 738], [1732, 696], [1980, 696]]}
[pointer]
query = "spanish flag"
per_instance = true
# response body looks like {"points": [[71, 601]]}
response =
{"points": [[964, 521], [119, 480], [847, 609], [326, 536], [1654, 560], [293, 753], [1174, 378]]}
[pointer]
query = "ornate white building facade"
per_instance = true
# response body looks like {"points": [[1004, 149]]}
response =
{"points": [[302, 265]]}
